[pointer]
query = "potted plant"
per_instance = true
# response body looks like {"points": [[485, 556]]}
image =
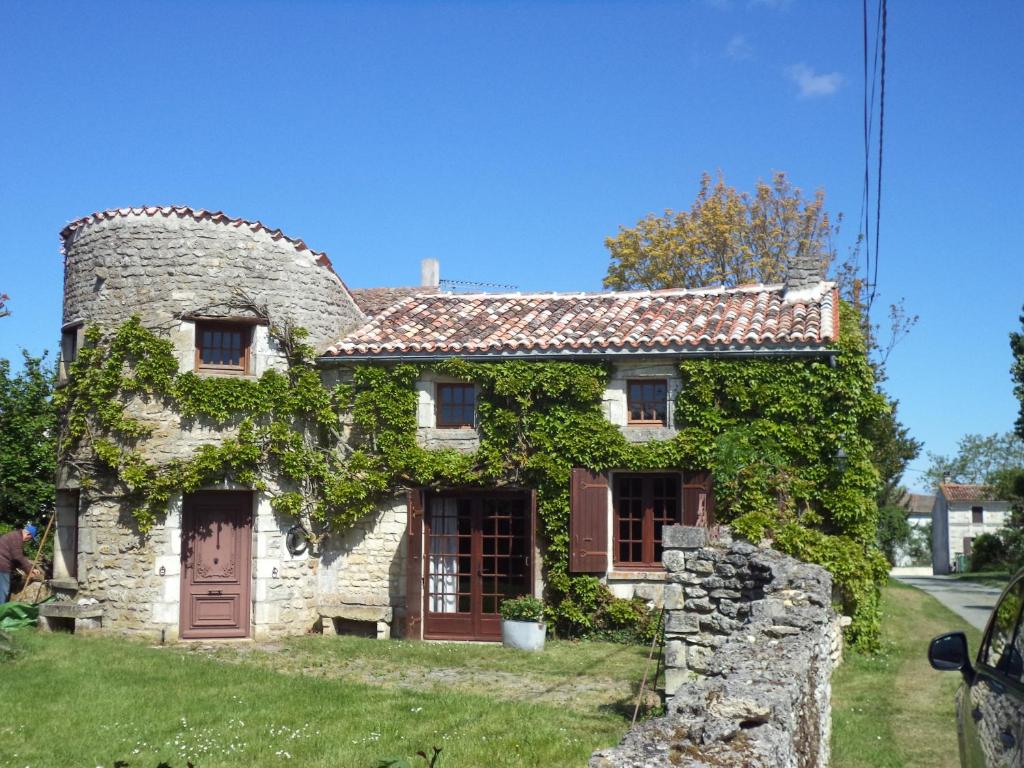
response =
{"points": [[522, 623]]}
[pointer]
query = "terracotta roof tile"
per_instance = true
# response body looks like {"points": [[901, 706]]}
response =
{"points": [[966, 492], [733, 319], [373, 301]]}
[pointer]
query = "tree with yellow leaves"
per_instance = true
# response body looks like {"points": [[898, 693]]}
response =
{"points": [[727, 238]]}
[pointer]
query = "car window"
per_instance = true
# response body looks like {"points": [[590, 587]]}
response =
{"points": [[1005, 648]]}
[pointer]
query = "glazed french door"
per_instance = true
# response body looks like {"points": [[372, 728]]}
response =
{"points": [[477, 552]]}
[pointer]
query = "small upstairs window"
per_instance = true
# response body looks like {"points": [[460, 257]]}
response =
{"points": [[69, 342], [223, 348], [647, 402], [977, 514], [456, 405]]}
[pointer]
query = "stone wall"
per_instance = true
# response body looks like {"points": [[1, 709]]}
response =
{"points": [[170, 266], [363, 567], [750, 644]]}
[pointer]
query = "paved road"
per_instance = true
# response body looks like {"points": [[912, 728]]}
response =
{"points": [[972, 601]]}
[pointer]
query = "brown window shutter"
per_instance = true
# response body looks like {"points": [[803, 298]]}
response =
{"points": [[414, 567], [698, 501], [588, 522]]}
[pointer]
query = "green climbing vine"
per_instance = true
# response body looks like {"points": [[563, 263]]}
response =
{"points": [[326, 453]]}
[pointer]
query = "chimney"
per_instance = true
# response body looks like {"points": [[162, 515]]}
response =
{"points": [[803, 276], [430, 273]]}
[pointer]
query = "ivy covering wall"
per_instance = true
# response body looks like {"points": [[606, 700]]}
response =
{"points": [[767, 429]]}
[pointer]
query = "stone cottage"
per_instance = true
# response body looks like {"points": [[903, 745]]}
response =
{"points": [[429, 562], [961, 512]]}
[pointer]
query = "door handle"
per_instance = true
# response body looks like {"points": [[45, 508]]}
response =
{"points": [[215, 592], [1007, 740]]}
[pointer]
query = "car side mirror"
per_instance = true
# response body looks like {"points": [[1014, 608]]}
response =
{"points": [[948, 653]]}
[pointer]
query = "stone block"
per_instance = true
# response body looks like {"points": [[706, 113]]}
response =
{"points": [[683, 537], [675, 654], [265, 567], [165, 613], [681, 623], [676, 678], [699, 605], [673, 560], [672, 597]]}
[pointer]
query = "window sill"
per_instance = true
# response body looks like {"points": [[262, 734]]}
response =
{"points": [[639, 573], [207, 374]]}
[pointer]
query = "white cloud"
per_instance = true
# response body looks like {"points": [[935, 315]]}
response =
{"points": [[739, 48], [811, 84]]}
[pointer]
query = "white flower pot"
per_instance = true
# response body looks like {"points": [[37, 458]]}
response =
{"points": [[525, 635]]}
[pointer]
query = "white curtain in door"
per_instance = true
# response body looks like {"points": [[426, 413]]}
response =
{"points": [[443, 572]]}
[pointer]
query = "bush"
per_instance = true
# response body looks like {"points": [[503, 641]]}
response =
{"points": [[522, 609], [988, 553]]}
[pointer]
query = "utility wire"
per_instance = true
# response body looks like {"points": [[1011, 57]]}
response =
{"points": [[872, 57], [881, 150], [865, 201]]}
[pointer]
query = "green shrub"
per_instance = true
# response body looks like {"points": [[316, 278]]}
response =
{"points": [[988, 553], [522, 609]]}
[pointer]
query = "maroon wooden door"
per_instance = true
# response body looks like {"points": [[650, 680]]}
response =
{"points": [[477, 552], [216, 564]]}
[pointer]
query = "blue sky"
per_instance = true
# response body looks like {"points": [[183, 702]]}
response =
{"points": [[509, 139]]}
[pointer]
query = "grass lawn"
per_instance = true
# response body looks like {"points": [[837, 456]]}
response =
{"points": [[894, 710], [986, 578], [93, 701]]}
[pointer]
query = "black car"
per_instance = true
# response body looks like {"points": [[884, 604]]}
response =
{"points": [[990, 703]]}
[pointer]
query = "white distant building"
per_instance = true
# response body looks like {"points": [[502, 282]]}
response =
{"points": [[919, 516], [960, 514]]}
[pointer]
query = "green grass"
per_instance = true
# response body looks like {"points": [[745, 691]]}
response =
{"points": [[893, 710], [997, 579], [91, 701]]}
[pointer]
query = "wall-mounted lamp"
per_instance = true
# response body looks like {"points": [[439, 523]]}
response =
{"points": [[841, 459], [162, 571], [273, 573]]}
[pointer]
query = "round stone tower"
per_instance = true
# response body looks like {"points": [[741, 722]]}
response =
{"points": [[172, 262], [203, 280]]}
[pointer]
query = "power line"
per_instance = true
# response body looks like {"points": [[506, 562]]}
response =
{"points": [[881, 148], [872, 80]]}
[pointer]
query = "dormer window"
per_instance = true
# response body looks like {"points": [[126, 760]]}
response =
{"points": [[647, 402], [223, 348], [456, 406]]}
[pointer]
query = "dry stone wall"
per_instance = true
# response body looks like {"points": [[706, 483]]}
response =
{"points": [[750, 644]]}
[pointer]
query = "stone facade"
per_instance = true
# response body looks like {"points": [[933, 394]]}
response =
{"points": [[464, 439], [364, 568], [172, 267], [750, 644], [614, 401]]}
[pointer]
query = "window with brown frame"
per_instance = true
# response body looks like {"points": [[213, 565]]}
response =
{"points": [[647, 401], [977, 514], [644, 505], [223, 347], [456, 405]]}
